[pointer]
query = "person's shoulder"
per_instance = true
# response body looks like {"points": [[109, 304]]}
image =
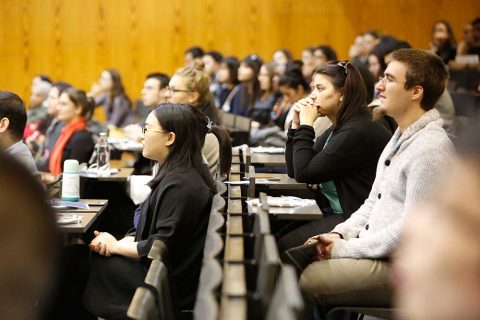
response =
{"points": [[82, 136], [432, 139]]}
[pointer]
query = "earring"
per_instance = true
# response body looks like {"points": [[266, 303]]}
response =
{"points": [[341, 98]]}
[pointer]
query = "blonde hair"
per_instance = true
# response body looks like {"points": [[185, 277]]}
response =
{"points": [[197, 80]]}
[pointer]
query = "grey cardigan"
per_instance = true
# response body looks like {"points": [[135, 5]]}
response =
{"points": [[407, 171]]}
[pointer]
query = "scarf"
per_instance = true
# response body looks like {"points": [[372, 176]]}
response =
{"points": [[55, 162]]}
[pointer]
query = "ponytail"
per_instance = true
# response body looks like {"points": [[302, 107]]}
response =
{"points": [[225, 145]]}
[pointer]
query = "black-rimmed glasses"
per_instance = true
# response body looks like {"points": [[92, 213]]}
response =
{"points": [[144, 129]]}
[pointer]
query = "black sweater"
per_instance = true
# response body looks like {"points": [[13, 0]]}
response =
{"points": [[349, 159]]}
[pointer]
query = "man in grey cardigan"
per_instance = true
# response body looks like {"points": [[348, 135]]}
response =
{"points": [[353, 267]]}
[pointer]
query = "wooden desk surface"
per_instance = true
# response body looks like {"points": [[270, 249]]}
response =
{"points": [[278, 181], [121, 175], [88, 216], [268, 160]]}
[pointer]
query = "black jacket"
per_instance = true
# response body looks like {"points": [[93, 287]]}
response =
{"points": [[176, 212], [349, 158]]}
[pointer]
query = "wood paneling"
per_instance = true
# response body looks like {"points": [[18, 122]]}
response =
{"points": [[74, 40]]}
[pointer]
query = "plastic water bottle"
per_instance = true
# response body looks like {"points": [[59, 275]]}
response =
{"points": [[103, 156], [71, 181]]}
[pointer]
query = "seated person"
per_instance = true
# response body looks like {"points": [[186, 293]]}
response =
{"points": [[13, 118], [343, 160], [173, 137], [153, 93], [47, 141], [29, 246], [292, 87], [436, 267], [351, 264], [75, 141], [191, 85], [110, 93]]}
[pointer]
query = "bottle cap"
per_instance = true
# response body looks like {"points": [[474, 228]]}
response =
{"points": [[71, 166]]}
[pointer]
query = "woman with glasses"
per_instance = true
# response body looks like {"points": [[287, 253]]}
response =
{"points": [[342, 161], [176, 212], [191, 85]]}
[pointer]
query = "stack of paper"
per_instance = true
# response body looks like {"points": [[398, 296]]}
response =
{"points": [[286, 202]]}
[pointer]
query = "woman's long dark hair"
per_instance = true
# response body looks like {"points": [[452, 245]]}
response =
{"points": [[190, 127], [117, 87], [346, 78], [225, 146]]}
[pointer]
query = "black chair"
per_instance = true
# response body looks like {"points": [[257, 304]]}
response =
{"points": [[143, 306], [261, 228], [359, 313], [287, 302], [158, 251], [157, 278], [268, 269], [467, 109], [464, 79], [250, 176]]}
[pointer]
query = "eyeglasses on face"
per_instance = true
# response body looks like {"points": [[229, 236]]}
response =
{"points": [[172, 91], [145, 129], [385, 79]]}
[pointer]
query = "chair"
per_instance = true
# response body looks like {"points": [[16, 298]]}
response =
{"points": [[210, 276], [383, 313], [261, 227], [143, 306], [158, 251], [206, 307], [250, 175], [287, 301], [467, 108], [157, 277], [221, 187], [216, 221], [226, 119], [268, 268], [218, 203], [213, 245]]}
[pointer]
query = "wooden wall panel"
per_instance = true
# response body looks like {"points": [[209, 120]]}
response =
{"points": [[74, 40]]}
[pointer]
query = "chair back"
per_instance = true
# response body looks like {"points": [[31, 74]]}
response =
{"points": [[287, 301], [157, 277], [143, 306]]}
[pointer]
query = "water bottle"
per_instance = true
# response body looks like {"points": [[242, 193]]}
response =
{"points": [[71, 181], [103, 156]]}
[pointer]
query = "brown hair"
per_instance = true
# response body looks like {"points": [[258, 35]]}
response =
{"points": [[197, 81], [80, 99], [424, 69], [346, 78]]}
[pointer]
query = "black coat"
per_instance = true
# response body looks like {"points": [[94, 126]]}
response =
{"points": [[349, 159], [80, 147], [176, 212]]}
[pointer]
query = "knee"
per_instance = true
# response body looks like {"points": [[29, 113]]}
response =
{"points": [[311, 282]]}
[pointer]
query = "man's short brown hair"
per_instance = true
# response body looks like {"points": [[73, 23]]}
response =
{"points": [[423, 69]]}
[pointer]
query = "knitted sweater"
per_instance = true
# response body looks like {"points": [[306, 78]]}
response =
{"points": [[407, 171]]}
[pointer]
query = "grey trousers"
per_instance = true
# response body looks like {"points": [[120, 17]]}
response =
{"points": [[347, 282]]}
